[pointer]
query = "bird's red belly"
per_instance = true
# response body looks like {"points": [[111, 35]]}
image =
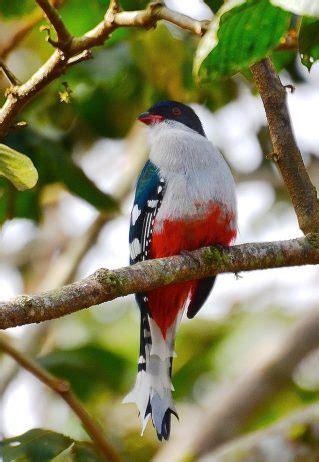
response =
{"points": [[216, 227]]}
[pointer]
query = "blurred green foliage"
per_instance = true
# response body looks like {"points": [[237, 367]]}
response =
{"points": [[309, 41], [15, 8], [240, 42], [54, 163], [129, 73], [105, 369], [44, 445]]}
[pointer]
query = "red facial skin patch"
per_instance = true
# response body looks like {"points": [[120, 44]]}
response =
{"points": [[148, 118]]}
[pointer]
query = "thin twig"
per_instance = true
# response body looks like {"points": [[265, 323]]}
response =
{"points": [[62, 388], [10, 76], [64, 36], [105, 285], [286, 153]]}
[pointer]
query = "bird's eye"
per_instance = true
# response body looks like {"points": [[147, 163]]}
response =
{"points": [[176, 111]]}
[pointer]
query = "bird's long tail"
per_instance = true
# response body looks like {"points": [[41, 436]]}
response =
{"points": [[152, 392]]}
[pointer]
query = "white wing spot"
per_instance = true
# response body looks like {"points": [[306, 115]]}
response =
{"points": [[135, 248], [152, 203], [136, 212]]}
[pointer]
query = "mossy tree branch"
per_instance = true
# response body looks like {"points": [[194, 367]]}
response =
{"points": [[105, 285]]}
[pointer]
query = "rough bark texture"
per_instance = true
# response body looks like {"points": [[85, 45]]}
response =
{"points": [[286, 153], [105, 285]]}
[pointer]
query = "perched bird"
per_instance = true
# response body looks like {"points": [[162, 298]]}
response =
{"points": [[185, 199]]}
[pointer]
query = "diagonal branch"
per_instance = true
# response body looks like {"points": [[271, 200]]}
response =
{"points": [[295, 438], [105, 285], [146, 19], [286, 153], [254, 389], [10, 76], [228, 412], [62, 388]]}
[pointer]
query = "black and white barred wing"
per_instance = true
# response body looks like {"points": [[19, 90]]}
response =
{"points": [[148, 197]]}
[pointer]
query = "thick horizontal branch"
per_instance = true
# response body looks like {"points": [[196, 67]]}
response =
{"points": [[286, 153], [105, 285], [69, 47]]}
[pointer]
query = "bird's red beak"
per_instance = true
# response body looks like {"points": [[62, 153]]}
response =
{"points": [[148, 118]]}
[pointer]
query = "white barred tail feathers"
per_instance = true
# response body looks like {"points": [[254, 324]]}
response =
{"points": [[152, 392]]}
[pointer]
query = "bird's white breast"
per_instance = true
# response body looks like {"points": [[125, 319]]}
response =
{"points": [[195, 173]]}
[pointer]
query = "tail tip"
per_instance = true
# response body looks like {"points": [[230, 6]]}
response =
{"points": [[165, 429]]}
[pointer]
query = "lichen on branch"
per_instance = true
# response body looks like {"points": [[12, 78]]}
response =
{"points": [[105, 285]]}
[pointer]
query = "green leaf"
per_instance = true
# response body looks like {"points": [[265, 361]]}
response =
{"points": [[79, 452], [89, 369], [309, 41], [13, 8], [17, 168], [39, 445], [234, 40], [301, 7], [34, 446]]}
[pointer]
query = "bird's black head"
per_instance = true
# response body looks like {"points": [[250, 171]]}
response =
{"points": [[172, 110]]}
